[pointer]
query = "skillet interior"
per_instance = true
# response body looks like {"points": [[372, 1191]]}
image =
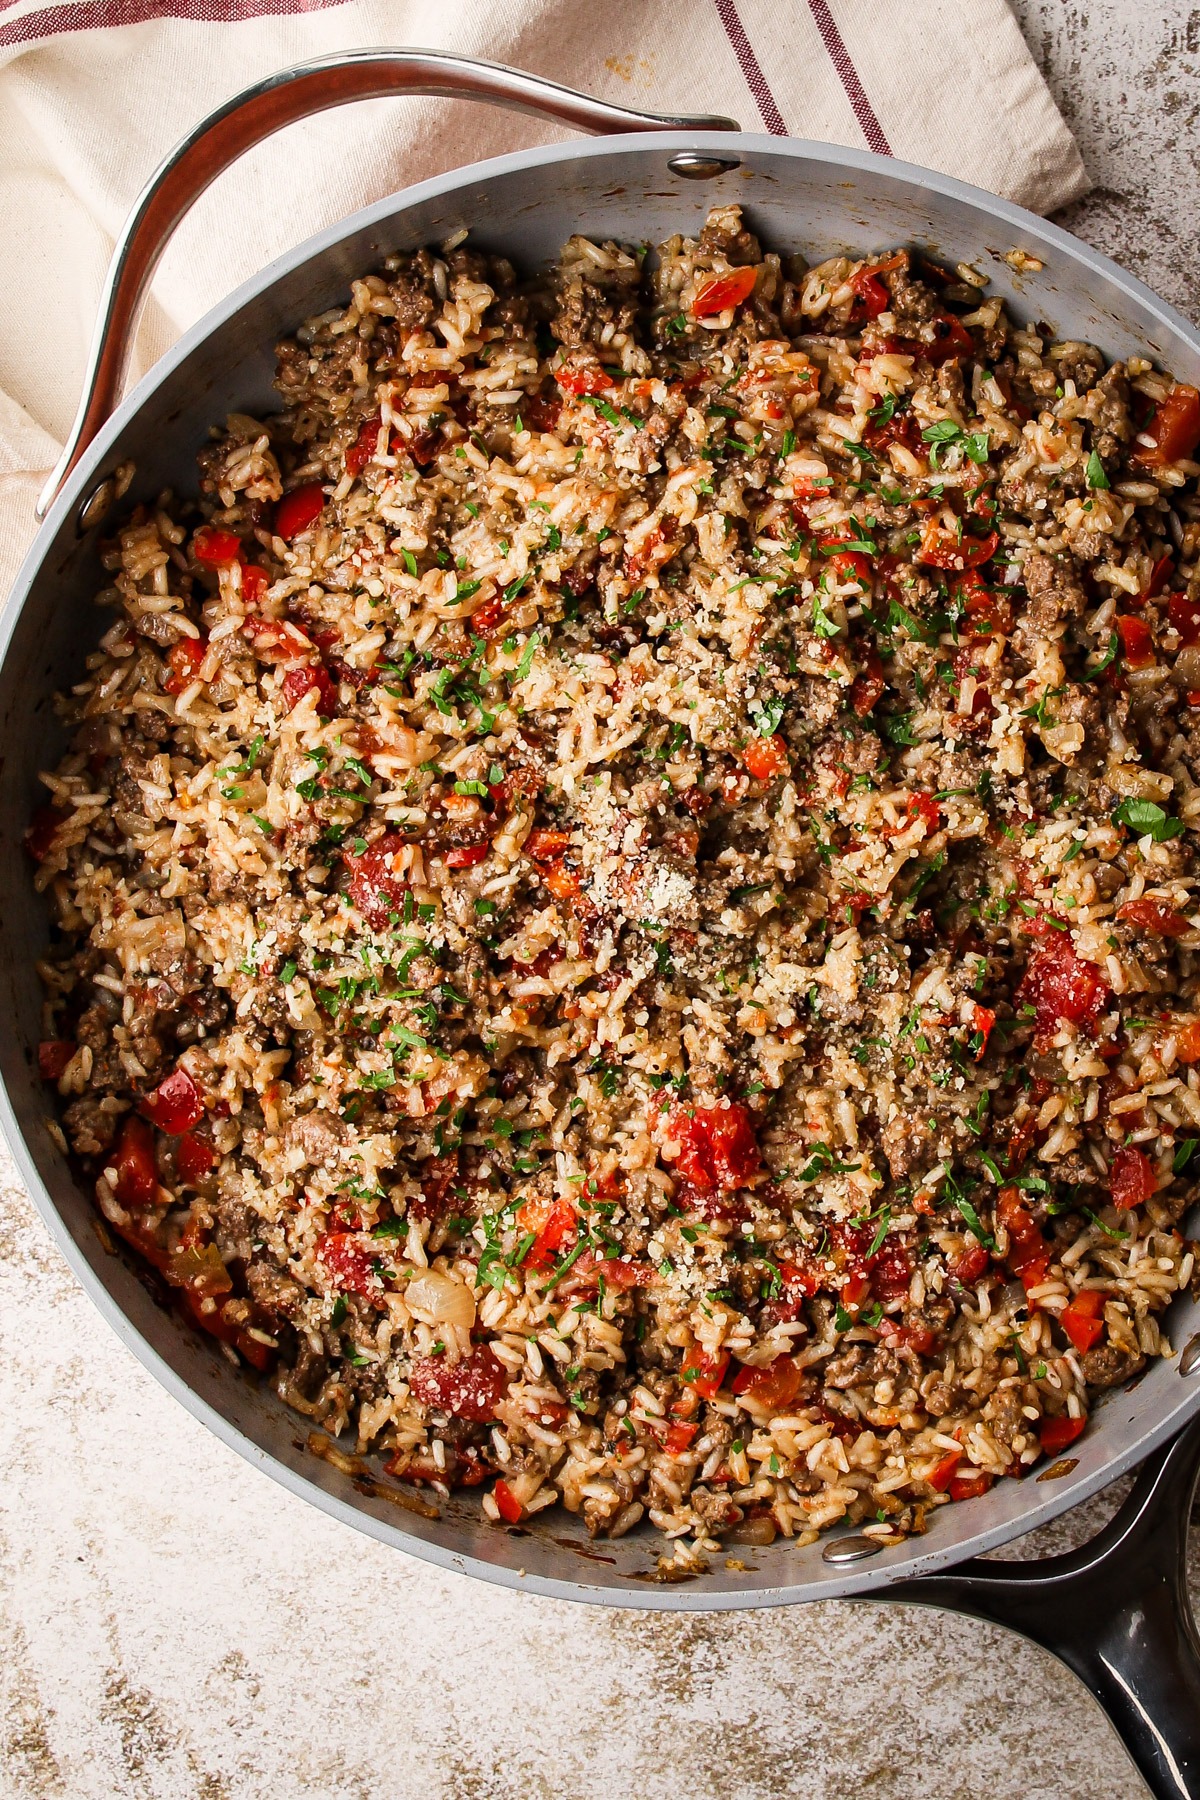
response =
{"points": [[808, 197]]}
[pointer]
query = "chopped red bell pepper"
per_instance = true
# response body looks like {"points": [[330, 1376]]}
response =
{"points": [[507, 1504], [53, 1055], [1155, 916], [137, 1169], [1081, 1318], [970, 1487], [1057, 1433], [298, 510], [944, 1473], [765, 758], [1132, 1178], [724, 291], [216, 547], [176, 1104], [195, 1157], [1174, 430]]}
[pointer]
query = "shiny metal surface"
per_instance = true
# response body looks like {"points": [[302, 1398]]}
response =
{"points": [[266, 107], [802, 197]]}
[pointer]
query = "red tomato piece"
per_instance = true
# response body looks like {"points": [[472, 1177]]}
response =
{"points": [[471, 1389], [1187, 1043], [1174, 429], [375, 886], [873, 297], [724, 291], [890, 1269], [679, 1438], [983, 1019], [553, 1225], [968, 1267], [943, 1475], [970, 1487], [298, 510], [216, 547], [706, 1373], [1137, 644], [194, 1157], [277, 640], [939, 550], [773, 1388], [1081, 1319], [465, 856], [1061, 988], [300, 681], [53, 1055], [1156, 916], [765, 758], [365, 447], [255, 582], [1132, 1177], [183, 663], [868, 686], [439, 1177], [547, 846], [488, 617], [348, 1263], [1184, 615], [583, 378], [1160, 575], [507, 1504], [176, 1104], [717, 1146], [989, 613], [951, 340], [137, 1169], [1057, 1433], [1028, 1252]]}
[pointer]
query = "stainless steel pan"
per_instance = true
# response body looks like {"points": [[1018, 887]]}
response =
{"points": [[1117, 1612]]}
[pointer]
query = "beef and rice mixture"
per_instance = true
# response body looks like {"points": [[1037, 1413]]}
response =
{"points": [[626, 893]]}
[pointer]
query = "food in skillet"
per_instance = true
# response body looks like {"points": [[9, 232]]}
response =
{"points": [[626, 886]]}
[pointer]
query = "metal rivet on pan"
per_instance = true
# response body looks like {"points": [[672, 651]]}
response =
{"points": [[95, 507], [850, 1549], [1190, 1360], [695, 165]]}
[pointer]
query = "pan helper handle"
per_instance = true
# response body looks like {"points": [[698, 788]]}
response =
{"points": [[267, 107]]}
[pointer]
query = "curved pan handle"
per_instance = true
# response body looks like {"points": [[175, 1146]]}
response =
{"points": [[1116, 1612], [254, 114]]}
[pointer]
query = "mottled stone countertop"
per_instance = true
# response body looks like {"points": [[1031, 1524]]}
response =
{"points": [[175, 1626]]}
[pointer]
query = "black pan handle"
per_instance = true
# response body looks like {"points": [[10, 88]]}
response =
{"points": [[279, 100], [1115, 1611]]}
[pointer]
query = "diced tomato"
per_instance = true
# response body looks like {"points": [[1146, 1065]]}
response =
{"points": [[951, 340], [348, 1263], [898, 1336], [486, 618], [465, 856], [773, 1388], [1187, 1042], [1156, 916], [983, 1019], [176, 1104], [724, 291], [562, 882], [440, 1175], [302, 680], [939, 550], [1184, 615], [53, 1055], [968, 1267], [1028, 1252], [617, 1274], [183, 663], [970, 1487], [137, 1170], [507, 1504], [1160, 575], [679, 1438], [277, 640], [1174, 429], [1081, 1319], [365, 447], [214, 546], [553, 1223], [765, 758], [1132, 1178], [298, 510], [873, 296], [890, 1269], [988, 612], [547, 846], [943, 1474], [194, 1157], [471, 1389], [585, 378], [255, 582], [375, 887], [709, 1373], [1061, 988], [1057, 1433], [868, 686], [1137, 645], [717, 1146], [922, 807], [902, 428]]}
